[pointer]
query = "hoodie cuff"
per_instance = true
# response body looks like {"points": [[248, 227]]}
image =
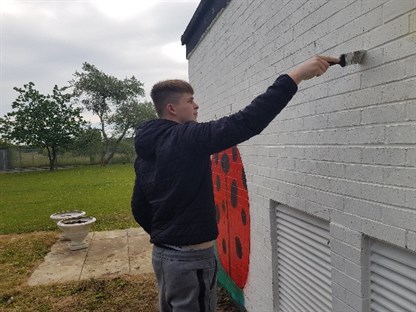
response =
{"points": [[288, 81]]}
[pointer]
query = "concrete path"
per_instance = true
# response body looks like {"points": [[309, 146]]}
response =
{"points": [[109, 254]]}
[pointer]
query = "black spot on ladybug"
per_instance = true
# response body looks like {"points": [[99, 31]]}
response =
{"points": [[243, 176], [238, 248], [223, 206], [234, 194], [243, 216], [234, 151], [224, 247], [218, 183], [225, 163], [216, 158]]}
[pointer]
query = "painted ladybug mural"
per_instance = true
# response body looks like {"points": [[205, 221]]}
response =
{"points": [[233, 214]]}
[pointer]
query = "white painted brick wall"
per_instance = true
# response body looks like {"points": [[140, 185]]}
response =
{"points": [[345, 147]]}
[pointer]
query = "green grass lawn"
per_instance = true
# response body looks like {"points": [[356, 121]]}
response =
{"points": [[28, 199], [26, 202]]}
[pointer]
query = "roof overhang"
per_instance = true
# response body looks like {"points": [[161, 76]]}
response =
{"points": [[205, 14]]}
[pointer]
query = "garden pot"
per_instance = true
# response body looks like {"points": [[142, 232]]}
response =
{"points": [[56, 217], [76, 229]]}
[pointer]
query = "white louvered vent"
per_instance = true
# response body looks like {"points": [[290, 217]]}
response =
{"points": [[392, 278], [303, 264]]}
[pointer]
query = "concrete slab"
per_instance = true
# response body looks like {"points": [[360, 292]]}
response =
{"points": [[138, 253], [110, 253], [110, 268], [54, 273], [110, 234]]}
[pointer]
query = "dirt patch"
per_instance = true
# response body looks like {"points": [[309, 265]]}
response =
{"points": [[125, 293], [20, 254]]}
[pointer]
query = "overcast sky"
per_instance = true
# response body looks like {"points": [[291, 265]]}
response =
{"points": [[47, 41]]}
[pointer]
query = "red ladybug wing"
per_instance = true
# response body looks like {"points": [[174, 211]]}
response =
{"points": [[220, 198], [239, 220], [233, 214]]}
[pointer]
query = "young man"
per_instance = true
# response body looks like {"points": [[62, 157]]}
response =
{"points": [[173, 198]]}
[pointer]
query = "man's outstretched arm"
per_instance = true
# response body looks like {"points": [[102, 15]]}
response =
{"points": [[215, 136]]}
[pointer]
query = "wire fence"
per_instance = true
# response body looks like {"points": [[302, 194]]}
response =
{"points": [[26, 157]]}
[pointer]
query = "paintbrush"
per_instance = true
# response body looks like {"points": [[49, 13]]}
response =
{"points": [[350, 58]]}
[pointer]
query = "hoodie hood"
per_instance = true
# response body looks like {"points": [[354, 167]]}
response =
{"points": [[149, 134]]}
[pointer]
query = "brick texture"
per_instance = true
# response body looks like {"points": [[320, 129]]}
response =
{"points": [[344, 149]]}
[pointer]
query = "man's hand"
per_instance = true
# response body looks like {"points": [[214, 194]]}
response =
{"points": [[314, 67]]}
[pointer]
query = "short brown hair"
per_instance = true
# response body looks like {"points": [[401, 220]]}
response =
{"points": [[168, 91]]}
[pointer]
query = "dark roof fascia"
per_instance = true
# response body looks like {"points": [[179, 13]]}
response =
{"points": [[205, 14]]}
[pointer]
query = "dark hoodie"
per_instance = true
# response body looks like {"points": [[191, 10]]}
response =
{"points": [[172, 197]]}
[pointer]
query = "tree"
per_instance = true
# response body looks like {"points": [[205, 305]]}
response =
{"points": [[87, 143], [45, 121], [126, 148], [115, 102], [128, 116], [4, 143]]}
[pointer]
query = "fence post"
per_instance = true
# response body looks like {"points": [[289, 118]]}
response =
{"points": [[3, 159]]}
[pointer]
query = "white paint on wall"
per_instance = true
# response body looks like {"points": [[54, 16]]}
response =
{"points": [[345, 147]]}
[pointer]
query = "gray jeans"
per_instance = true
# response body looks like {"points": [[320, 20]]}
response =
{"points": [[186, 279]]}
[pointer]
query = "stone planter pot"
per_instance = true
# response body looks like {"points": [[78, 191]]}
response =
{"points": [[56, 217], [76, 229]]}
